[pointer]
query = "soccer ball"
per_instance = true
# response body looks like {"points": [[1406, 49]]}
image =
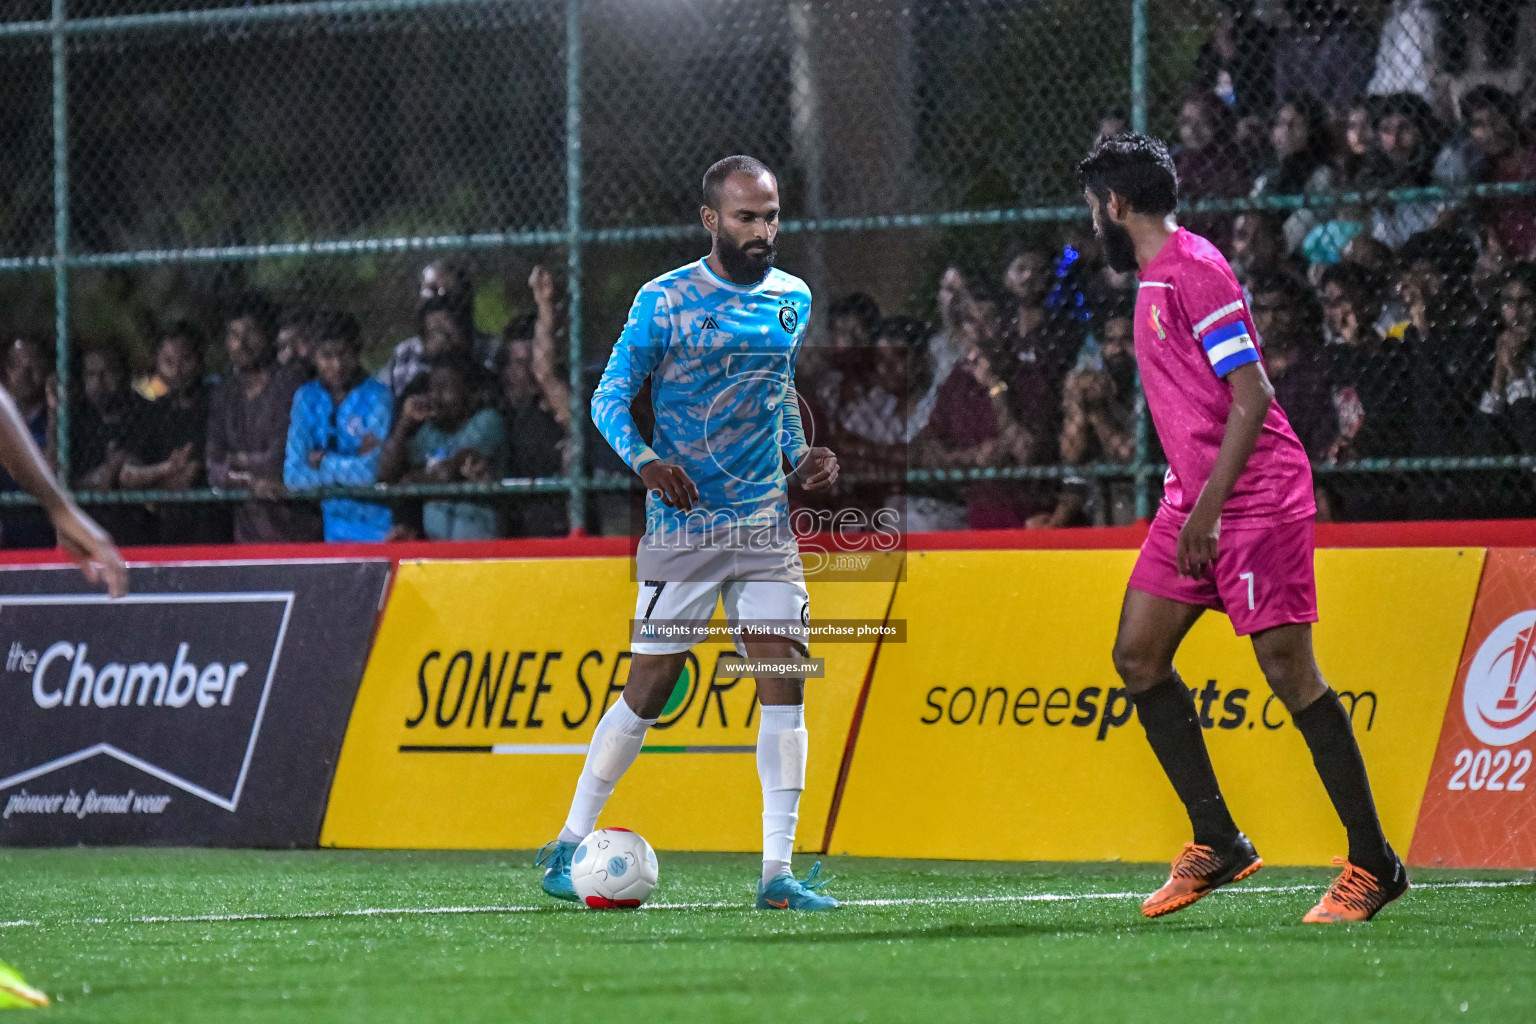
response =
{"points": [[613, 869]]}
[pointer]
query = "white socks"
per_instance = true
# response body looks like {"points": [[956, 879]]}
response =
{"points": [[781, 755], [616, 742]]}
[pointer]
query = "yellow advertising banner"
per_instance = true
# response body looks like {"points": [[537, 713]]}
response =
{"points": [[488, 677], [999, 729]]}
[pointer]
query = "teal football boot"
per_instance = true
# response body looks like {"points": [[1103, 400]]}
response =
{"points": [[555, 859], [786, 892]]}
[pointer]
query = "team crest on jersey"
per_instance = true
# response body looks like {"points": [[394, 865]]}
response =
{"points": [[1157, 324], [788, 318]]}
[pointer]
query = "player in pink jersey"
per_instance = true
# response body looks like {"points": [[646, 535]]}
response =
{"points": [[1233, 533]]}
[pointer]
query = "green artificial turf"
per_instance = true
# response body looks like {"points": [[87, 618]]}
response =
{"points": [[1443, 953]]}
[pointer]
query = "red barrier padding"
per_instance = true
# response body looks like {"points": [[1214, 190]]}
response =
{"points": [[1493, 533]]}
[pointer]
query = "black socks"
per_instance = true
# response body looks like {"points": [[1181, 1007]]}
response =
{"points": [[1167, 713], [1325, 725]]}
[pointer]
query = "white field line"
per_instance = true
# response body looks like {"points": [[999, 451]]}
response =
{"points": [[910, 901]]}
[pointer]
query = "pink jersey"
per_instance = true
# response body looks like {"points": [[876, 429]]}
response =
{"points": [[1192, 329]]}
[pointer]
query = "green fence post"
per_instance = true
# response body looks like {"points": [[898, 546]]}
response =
{"points": [[578, 503], [61, 234], [1139, 124]]}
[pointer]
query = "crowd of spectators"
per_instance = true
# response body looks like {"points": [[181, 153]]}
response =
{"points": [[1395, 325], [295, 410]]}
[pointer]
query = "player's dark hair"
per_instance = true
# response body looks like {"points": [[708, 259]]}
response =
{"points": [[258, 310], [337, 325], [714, 178], [860, 306], [1135, 167], [460, 308]]}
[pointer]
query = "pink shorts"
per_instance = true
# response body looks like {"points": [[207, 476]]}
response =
{"points": [[1262, 577]]}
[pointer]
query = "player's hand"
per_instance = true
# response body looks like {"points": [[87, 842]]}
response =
{"points": [[819, 469], [671, 483], [417, 409], [1198, 541], [543, 287], [91, 548]]}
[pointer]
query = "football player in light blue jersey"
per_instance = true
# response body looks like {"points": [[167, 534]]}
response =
{"points": [[717, 339]]}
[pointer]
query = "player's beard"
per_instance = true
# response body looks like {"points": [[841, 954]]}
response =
{"points": [[1119, 250], [745, 265]]}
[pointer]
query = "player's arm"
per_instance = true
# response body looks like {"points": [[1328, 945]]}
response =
{"points": [[638, 352], [87, 543], [1234, 356], [816, 467]]}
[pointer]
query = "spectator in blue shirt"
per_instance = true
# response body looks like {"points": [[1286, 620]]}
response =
{"points": [[339, 423]]}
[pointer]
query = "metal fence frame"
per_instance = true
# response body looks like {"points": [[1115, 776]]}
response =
{"points": [[59, 29]]}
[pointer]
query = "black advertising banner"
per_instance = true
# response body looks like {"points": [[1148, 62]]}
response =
{"points": [[205, 708]]}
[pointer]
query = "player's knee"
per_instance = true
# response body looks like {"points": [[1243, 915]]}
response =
{"points": [[1293, 677], [1135, 666]]}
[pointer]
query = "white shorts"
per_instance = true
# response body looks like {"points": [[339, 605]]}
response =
{"points": [[779, 607]]}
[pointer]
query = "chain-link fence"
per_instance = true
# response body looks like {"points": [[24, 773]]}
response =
{"points": [[193, 186]]}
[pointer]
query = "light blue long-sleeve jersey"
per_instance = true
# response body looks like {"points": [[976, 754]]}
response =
{"points": [[339, 431], [721, 360]]}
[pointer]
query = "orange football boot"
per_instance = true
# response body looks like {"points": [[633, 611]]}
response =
{"points": [[1357, 895], [1199, 870]]}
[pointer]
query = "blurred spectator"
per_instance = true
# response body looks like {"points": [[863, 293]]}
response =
{"points": [[1359, 140], [1503, 153], [1507, 407], [1300, 162], [1501, 32], [445, 319], [972, 425], [1450, 350], [1235, 62], [29, 377], [1380, 262], [1351, 300], [445, 436], [1323, 51], [948, 343], [873, 428], [1406, 157], [851, 322], [1030, 274], [1259, 247], [167, 448], [1209, 164], [336, 436], [296, 343], [536, 410], [100, 429], [1291, 331], [1099, 423], [248, 431], [1406, 54]]}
